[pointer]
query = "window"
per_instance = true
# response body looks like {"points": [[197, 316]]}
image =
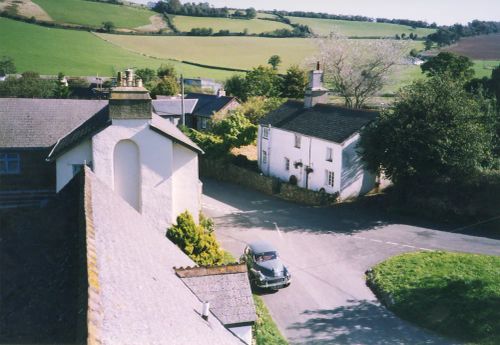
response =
{"points": [[265, 132], [203, 123], [329, 154], [10, 164], [76, 168], [287, 164], [264, 157], [297, 141], [330, 178]]}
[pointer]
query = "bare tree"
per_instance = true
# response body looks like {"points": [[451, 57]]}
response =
{"points": [[358, 69]]}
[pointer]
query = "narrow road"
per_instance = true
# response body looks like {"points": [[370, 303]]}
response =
{"points": [[328, 250]]}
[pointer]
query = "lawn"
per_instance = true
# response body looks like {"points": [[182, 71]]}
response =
{"points": [[484, 68], [94, 13], [254, 26], [324, 27], [77, 53], [455, 294]]}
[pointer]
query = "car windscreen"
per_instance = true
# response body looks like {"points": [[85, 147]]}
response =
{"points": [[261, 257]]}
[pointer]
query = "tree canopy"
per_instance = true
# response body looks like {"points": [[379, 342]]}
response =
{"points": [[456, 66], [7, 66], [436, 131]]}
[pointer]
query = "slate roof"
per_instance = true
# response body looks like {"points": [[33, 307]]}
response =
{"points": [[209, 104], [37, 123], [171, 131], [324, 121], [141, 298], [173, 106], [227, 288]]}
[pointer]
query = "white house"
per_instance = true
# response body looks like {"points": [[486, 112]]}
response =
{"points": [[316, 144], [144, 158]]}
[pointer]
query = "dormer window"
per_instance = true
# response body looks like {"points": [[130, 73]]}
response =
{"points": [[10, 164], [329, 154]]}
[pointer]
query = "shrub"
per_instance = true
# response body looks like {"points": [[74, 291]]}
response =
{"points": [[197, 241]]}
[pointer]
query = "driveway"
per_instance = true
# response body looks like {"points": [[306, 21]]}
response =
{"points": [[327, 251]]}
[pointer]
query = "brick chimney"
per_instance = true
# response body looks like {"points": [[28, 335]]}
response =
{"points": [[129, 100], [315, 92], [221, 93]]}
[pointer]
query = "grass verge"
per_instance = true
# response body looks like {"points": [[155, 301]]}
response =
{"points": [[454, 294]]}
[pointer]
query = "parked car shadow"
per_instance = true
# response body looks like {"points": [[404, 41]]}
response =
{"points": [[361, 322]]}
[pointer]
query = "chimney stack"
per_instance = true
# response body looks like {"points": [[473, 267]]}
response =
{"points": [[129, 100], [221, 92], [315, 92]]}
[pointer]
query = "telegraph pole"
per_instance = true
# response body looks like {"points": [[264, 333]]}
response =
{"points": [[183, 118]]}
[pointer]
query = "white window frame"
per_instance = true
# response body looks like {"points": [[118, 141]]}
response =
{"points": [[264, 157], [7, 160], [329, 178], [203, 123], [298, 139], [287, 164], [329, 154], [265, 132]]}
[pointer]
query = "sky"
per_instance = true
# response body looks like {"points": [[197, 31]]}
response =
{"points": [[443, 12]]}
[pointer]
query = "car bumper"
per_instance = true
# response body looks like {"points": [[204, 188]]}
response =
{"points": [[275, 285]]}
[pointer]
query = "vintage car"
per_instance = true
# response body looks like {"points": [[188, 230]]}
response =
{"points": [[265, 268]]}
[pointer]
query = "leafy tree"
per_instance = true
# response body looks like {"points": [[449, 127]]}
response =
{"points": [[274, 61], [456, 66], [294, 82], [495, 83], [358, 70], [30, 85], [251, 13], [166, 86], [146, 74], [7, 66], [236, 86], [436, 132], [62, 89], [197, 241], [262, 81], [428, 44], [166, 70], [108, 26], [257, 107], [413, 52]]}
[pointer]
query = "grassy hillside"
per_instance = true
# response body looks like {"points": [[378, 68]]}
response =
{"points": [[254, 26], [94, 13], [236, 52], [324, 27], [49, 51]]}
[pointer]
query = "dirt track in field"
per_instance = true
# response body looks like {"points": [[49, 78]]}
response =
{"points": [[486, 47], [27, 9]]}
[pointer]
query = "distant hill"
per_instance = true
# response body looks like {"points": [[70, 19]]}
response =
{"points": [[323, 27]]}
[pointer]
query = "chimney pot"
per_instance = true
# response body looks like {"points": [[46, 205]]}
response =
{"points": [[205, 310]]}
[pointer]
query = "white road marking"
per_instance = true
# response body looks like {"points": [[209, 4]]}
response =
{"points": [[277, 229], [373, 240], [393, 243]]}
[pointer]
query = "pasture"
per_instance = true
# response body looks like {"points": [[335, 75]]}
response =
{"points": [[254, 26], [484, 68], [94, 13], [484, 47], [323, 27], [77, 53]]}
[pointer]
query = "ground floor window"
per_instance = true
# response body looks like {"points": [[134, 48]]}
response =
{"points": [[287, 164], [264, 157], [10, 163], [203, 123], [329, 178]]}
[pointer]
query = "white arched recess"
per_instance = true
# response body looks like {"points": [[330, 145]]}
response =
{"points": [[127, 172]]}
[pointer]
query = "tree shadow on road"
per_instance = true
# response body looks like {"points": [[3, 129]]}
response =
{"points": [[361, 322], [268, 212]]}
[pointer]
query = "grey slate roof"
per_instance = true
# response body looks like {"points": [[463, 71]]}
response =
{"points": [[32, 123], [227, 288], [141, 298], [173, 106], [168, 129], [324, 121], [209, 104]]}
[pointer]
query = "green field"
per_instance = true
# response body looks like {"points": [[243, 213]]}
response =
{"points": [[254, 26], [235, 52], [77, 53], [94, 13], [324, 27], [484, 68]]}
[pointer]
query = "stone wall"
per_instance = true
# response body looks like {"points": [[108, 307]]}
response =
{"points": [[227, 172]]}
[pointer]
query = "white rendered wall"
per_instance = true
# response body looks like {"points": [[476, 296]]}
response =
{"points": [[356, 180], [243, 332], [185, 183], [155, 152], [64, 164]]}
